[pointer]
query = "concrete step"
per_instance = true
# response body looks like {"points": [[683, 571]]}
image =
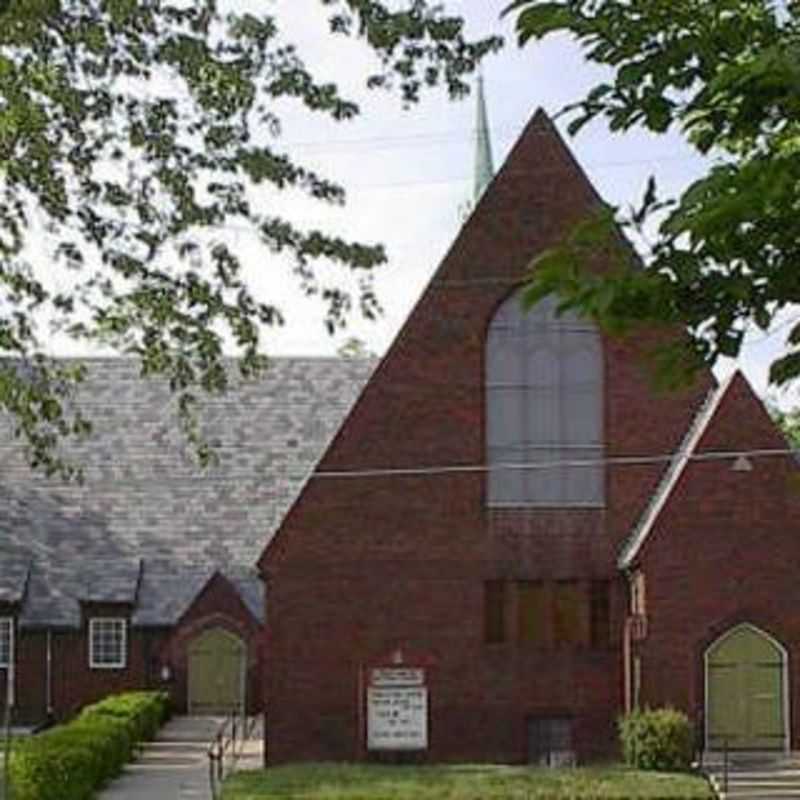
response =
{"points": [[769, 783], [757, 766]]}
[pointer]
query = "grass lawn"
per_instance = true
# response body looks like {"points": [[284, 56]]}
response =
{"points": [[459, 782]]}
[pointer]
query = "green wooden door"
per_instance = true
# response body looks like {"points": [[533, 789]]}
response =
{"points": [[216, 672], [745, 702]]}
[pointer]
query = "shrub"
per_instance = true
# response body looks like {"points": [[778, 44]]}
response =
{"points": [[69, 762], [144, 712], [658, 739]]}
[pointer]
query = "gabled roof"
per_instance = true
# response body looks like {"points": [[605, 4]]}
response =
{"points": [[535, 198], [144, 499], [110, 580], [675, 468], [167, 592]]}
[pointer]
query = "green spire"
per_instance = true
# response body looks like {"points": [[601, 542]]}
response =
{"points": [[484, 167]]}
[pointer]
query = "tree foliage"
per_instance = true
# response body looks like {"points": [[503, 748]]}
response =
{"points": [[726, 74], [788, 422], [134, 129]]}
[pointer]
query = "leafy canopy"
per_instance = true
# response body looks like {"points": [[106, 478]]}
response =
{"points": [[788, 422], [726, 74], [133, 129]]}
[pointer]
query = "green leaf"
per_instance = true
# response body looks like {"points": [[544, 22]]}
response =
{"points": [[537, 21], [140, 133], [785, 369]]}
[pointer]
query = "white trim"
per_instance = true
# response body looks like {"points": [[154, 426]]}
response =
{"points": [[551, 504], [672, 475], [8, 622], [784, 672], [123, 623]]}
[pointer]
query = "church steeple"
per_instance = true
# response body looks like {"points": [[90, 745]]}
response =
{"points": [[484, 166]]}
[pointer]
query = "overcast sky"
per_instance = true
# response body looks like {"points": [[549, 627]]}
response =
{"points": [[408, 173]]}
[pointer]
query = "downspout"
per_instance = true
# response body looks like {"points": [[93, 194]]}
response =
{"points": [[626, 664], [626, 649], [9, 705], [11, 675], [49, 673]]}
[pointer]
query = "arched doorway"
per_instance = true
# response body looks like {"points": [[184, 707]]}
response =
{"points": [[217, 664], [746, 692]]}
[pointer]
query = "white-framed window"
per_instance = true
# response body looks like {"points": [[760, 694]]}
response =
{"points": [[107, 643], [6, 641], [544, 405]]}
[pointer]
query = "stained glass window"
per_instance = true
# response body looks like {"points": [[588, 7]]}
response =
{"points": [[544, 381]]}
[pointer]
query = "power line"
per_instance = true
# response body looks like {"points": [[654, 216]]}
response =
{"points": [[301, 469], [428, 140], [717, 455]]}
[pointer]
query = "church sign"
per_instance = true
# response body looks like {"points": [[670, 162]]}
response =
{"points": [[397, 676], [397, 709]]}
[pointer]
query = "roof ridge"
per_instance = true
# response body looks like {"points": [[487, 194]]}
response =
{"points": [[675, 467]]}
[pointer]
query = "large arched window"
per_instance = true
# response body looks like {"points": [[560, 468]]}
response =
{"points": [[544, 404]]}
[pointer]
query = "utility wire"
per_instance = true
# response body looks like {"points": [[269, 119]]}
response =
{"points": [[299, 467], [717, 455]]}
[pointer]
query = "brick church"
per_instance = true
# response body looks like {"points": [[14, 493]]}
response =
{"points": [[513, 537], [485, 548]]}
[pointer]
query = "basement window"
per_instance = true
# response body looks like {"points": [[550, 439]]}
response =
{"points": [[107, 643], [550, 742], [6, 641]]}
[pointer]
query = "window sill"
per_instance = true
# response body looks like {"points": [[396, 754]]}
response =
{"points": [[108, 666], [553, 506]]}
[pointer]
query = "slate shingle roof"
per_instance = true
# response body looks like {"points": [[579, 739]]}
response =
{"points": [[146, 515], [14, 574], [109, 580]]}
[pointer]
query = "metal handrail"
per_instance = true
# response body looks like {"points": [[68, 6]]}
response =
{"points": [[216, 753], [700, 737], [725, 766], [241, 729]]}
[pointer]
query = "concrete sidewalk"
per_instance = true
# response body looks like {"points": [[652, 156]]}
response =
{"points": [[175, 765]]}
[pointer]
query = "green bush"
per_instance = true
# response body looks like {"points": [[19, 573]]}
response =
{"points": [[70, 762], [658, 739], [143, 711]]}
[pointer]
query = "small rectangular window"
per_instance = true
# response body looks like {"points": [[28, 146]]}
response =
{"points": [[494, 611], [601, 614], [531, 613], [569, 604], [550, 741], [107, 643], [6, 641]]}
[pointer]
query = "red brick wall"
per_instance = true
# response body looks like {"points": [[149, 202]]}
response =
{"points": [[75, 683], [361, 566], [726, 550]]}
